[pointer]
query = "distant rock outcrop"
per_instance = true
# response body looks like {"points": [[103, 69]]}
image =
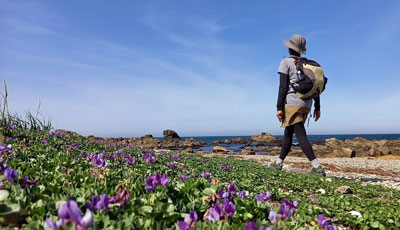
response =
{"points": [[171, 139]]}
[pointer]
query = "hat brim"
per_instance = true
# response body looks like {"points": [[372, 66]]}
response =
{"points": [[293, 47]]}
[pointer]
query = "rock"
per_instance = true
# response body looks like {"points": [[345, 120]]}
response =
{"points": [[318, 142], [342, 152], [219, 149], [344, 190], [238, 140], [171, 139], [265, 138], [188, 150], [148, 141], [227, 141], [248, 151], [192, 143], [200, 152], [215, 142], [333, 142]]}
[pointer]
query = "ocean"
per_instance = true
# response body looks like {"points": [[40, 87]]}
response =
{"points": [[236, 147]]}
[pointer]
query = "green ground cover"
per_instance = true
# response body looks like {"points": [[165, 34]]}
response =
{"points": [[235, 193]]}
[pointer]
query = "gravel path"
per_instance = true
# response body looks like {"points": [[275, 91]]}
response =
{"points": [[368, 170]]}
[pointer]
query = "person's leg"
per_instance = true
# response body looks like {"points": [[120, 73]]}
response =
{"points": [[305, 144], [286, 144]]}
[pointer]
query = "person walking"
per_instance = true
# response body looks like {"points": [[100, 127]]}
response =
{"points": [[292, 111]]}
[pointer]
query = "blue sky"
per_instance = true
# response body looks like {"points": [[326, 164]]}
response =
{"points": [[127, 68]]}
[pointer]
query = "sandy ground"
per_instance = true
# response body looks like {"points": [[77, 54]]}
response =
{"points": [[383, 171]]}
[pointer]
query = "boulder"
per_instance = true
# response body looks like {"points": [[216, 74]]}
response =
{"points": [[344, 190], [188, 150], [171, 139], [342, 152], [264, 137], [148, 141], [248, 151], [238, 140], [219, 149], [192, 143], [200, 152], [333, 142]]}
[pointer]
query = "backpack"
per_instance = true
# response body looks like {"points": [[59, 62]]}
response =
{"points": [[311, 80]]}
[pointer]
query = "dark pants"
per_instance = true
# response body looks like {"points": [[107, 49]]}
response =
{"points": [[301, 135]]}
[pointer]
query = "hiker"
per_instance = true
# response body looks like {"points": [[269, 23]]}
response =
{"points": [[292, 111]]}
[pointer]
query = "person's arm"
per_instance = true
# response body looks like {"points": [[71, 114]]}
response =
{"points": [[283, 89], [317, 108]]}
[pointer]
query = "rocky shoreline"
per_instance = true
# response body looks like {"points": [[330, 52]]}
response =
{"points": [[265, 144]]}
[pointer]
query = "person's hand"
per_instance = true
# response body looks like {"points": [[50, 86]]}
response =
{"points": [[280, 115], [317, 115]]}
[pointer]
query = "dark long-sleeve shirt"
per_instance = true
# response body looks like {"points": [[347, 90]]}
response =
{"points": [[283, 89]]}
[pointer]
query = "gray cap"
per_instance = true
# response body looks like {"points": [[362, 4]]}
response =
{"points": [[297, 43]]}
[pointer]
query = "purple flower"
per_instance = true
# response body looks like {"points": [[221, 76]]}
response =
{"points": [[186, 158], [44, 142], [325, 223], [25, 182], [273, 217], [70, 211], [263, 197], [154, 180], [10, 174], [98, 204], [231, 167], [183, 177], [50, 224], [10, 139], [250, 226], [172, 166], [229, 207], [164, 180], [183, 225], [176, 157], [232, 188], [130, 162], [203, 160], [214, 213], [206, 175], [224, 166], [149, 158], [287, 209], [242, 194], [75, 146], [5, 148]]}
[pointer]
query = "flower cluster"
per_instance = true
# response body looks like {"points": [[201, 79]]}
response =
{"points": [[70, 213], [229, 193], [206, 175], [5, 149], [287, 209], [325, 223], [189, 221], [98, 203], [225, 166], [154, 180], [183, 177], [253, 226], [262, 197], [149, 158], [220, 212]]}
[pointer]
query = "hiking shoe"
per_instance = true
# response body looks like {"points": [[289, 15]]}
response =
{"points": [[318, 171], [276, 166]]}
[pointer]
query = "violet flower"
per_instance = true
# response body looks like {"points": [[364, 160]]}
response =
{"points": [[44, 142], [172, 166], [10, 174], [263, 197], [176, 157], [69, 212], [273, 217], [154, 180], [287, 209], [10, 139], [214, 213], [325, 223], [224, 166], [242, 194], [98, 204], [203, 160], [130, 162], [229, 207], [183, 177], [206, 175], [189, 222], [250, 226], [25, 182]]}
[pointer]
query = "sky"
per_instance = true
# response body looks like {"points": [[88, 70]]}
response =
{"points": [[202, 68]]}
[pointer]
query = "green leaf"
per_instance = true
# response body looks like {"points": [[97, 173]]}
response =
{"points": [[145, 209], [374, 224], [208, 191], [8, 209], [3, 194]]}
